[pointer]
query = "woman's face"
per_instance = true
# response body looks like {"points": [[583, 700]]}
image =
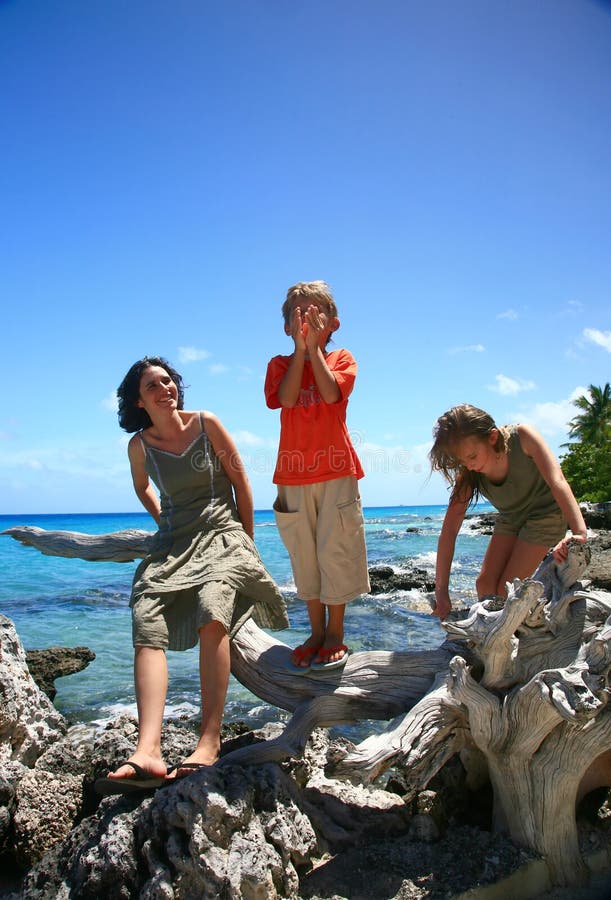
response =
{"points": [[157, 391]]}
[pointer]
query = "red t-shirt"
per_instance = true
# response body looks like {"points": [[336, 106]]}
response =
{"points": [[314, 441]]}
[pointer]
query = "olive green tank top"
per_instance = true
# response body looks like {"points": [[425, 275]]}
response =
{"points": [[524, 492], [195, 492]]}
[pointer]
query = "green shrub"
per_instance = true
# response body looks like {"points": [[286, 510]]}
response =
{"points": [[587, 468]]}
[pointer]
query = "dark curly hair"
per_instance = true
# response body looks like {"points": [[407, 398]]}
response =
{"points": [[132, 417]]}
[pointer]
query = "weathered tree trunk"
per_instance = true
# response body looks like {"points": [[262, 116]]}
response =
{"points": [[523, 683]]}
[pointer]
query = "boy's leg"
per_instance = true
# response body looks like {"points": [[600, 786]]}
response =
{"points": [[316, 615], [151, 682], [334, 635], [296, 513]]}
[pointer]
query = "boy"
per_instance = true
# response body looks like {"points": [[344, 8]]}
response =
{"points": [[318, 507]]}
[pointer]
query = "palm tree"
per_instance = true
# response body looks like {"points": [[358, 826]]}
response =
{"points": [[593, 424]]}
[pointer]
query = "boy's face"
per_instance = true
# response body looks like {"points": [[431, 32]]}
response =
{"points": [[303, 304]]}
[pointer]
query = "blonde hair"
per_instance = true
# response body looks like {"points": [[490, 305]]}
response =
{"points": [[457, 423], [310, 290]]}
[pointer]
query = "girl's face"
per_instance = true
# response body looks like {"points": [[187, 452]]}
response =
{"points": [[157, 391], [477, 454]]}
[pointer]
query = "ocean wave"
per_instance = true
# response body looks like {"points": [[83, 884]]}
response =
{"points": [[427, 560]]}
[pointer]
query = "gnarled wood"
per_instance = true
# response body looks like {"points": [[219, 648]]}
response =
{"points": [[522, 683], [117, 546]]}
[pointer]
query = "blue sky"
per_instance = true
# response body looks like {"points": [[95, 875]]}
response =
{"points": [[170, 168]]}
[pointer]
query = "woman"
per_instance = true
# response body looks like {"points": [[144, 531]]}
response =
{"points": [[203, 578]]}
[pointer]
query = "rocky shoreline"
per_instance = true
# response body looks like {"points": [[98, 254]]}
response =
{"points": [[278, 830]]}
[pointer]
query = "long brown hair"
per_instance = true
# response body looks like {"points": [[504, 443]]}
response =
{"points": [[457, 423]]}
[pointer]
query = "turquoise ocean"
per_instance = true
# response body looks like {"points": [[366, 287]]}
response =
{"points": [[69, 602]]}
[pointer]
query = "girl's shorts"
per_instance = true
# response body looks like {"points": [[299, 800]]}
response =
{"points": [[546, 530]]}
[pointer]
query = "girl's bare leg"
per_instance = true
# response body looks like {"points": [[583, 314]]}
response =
{"points": [[521, 564], [507, 557], [151, 681], [499, 551]]}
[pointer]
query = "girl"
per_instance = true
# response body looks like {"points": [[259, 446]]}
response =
{"points": [[515, 470], [203, 578]]}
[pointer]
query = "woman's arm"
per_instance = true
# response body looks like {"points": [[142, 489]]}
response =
{"points": [[227, 452], [453, 519], [534, 446], [144, 489]]}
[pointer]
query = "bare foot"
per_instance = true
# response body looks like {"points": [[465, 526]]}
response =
{"points": [[152, 765]]}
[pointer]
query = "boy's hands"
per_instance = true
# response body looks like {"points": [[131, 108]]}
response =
{"points": [[315, 326], [307, 329], [297, 330]]}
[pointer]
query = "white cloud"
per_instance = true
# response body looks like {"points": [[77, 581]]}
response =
{"points": [[391, 459], [218, 369], [601, 338], [509, 314], [470, 348], [110, 402], [550, 418], [509, 387], [191, 354]]}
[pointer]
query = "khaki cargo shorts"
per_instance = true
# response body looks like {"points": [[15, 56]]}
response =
{"points": [[321, 526]]}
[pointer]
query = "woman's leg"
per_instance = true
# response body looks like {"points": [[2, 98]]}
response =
{"points": [[151, 681], [214, 670]]}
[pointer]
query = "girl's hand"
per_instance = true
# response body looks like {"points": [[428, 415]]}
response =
{"points": [[561, 551], [443, 605]]}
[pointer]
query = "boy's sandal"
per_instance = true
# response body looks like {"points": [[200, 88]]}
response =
{"points": [[326, 664], [303, 654]]}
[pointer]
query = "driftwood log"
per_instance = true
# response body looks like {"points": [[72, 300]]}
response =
{"points": [[520, 689]]}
